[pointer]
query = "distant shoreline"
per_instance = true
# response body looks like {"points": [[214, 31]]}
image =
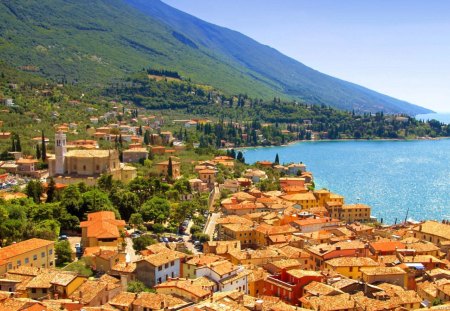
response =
{"points": [[341, 139]]}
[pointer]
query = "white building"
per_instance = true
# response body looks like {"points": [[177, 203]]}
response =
{"points": [[227, 276], [157, 268]]}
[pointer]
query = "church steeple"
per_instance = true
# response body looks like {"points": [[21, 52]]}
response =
{"points": [[60, 152]]}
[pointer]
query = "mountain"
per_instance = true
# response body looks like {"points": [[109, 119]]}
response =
{"points": [[97, 41]]}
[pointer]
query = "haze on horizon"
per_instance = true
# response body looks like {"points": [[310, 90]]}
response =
{"points": [[399, 48]]}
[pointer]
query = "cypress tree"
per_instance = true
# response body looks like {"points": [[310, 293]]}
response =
{"points": [[51, 191], [13, 144], [170, 168], [18, 146], [38, 152], [44, 148], [277, 160]]}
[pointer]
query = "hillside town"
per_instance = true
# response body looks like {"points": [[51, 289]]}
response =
{"points": [[261, 238]]}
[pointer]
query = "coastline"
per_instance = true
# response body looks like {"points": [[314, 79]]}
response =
{"points": [[340, 139]]}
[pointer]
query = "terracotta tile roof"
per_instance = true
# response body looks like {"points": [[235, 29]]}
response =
{"points": [[88, 291], [185, 285], [203, 259], [382, 271], [299, 273], [123, 300], [124, 267], [222, 267], [434, 228], [320, 289], [102, 225], [330, 303], [387, 246], [157, 301], [307, 196], [234, 219], [273, 230], [42, 280], [355, 206], [23, 247], [160, 259], [421, 259], [16, 304], [286, 264], [352, 262]]}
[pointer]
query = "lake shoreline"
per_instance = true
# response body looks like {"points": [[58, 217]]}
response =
{"points": [[338, 140]]}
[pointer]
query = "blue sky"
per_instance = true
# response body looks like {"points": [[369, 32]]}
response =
{"points": [[400, 48]]}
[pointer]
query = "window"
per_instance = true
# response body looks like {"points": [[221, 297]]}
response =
{"points": [[19, 262], [50, 252], [9, 266], [159, 268], [44, 291], [42, 254], [98, 167], [34, 257], [172, 263], [159, 280], [27, 260], [166, 265], [84, 167], [33, 290]]}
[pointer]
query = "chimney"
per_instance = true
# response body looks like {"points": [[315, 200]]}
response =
{"points": [[80, 294]]}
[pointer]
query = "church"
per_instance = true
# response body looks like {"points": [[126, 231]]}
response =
{"points": [[87, 166]]}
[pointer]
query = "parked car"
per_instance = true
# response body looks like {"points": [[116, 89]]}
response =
{"points": [[63, 237]]}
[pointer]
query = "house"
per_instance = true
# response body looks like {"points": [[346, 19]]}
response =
{"points": [[163, 168], [315, 224], [221, 247], [231, 185], [188, 290], [432, 231], [208, 176], [341, 302], [391, 275], [289, 284], [306, 200], [350, 266], [102, 229], [30, 253], [28, 167], [323, 252], [54, 283], [354, 212], [102, 258], [157, 302], [134, 155], [197, 261], [157, 268], [226, 276], [295, 168], [255, 175], [383, 248], [94, 293]]}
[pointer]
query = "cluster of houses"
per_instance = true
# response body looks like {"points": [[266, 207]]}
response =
{"points": [[290, 249]]}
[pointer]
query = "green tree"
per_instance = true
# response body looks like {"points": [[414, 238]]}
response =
{"points": [[170, 168], [126, 202], [71, 200], [51, 190], [158, 228], [38, 152], [43, 147], [136, 220], [96, 200], [137, 287], [34, 190], [63, 252], [142, 242], [18, 145], [156, 209], [277, 160]]}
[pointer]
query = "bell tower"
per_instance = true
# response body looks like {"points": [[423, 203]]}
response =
{"points": [[60, 152]]}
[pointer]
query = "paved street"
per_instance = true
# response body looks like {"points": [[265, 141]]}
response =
{"points": [[209, 229]]}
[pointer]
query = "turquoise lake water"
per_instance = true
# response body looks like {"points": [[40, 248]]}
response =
{"points": [[390, 176]]}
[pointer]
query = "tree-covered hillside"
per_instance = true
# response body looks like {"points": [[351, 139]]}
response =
{"points": [[99, 41]]}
